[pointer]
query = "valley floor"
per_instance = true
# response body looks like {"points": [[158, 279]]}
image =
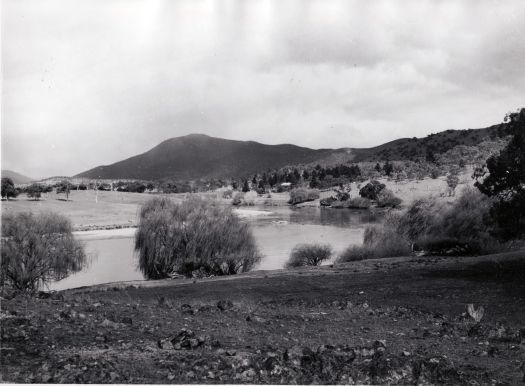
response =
{"points": [[396, 321]]}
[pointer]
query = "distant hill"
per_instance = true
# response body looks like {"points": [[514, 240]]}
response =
{"points": [[16, 177], [414, 148], [200, 156], [197, 156]]}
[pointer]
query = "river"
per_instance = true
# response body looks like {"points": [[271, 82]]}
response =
{"points": [[276, 230]]}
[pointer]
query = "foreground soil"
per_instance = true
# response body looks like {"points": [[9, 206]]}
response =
{"points": [[395, 321]]}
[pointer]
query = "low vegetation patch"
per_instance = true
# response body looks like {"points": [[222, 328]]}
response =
{"points": [[37, 249], [300, 195], [196, 235], [309, 255], [433, 227]]}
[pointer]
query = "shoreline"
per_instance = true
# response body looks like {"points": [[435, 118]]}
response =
{"points": [[385, 264]]}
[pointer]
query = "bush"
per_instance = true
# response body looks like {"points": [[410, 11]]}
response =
{"points": [[371, 190], [37, 249], [378, 243], [227, 194], [359, 203], [387, 198], [309, 255], [237, 199], [199, 234], [303, 195]]}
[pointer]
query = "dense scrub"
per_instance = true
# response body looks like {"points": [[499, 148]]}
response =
{"points": [[303, 195], [309, 255], [196, 235], [464, 227], [38, 248]]}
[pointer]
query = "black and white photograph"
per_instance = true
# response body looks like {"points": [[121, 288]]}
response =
{"points": [[262, 192]]}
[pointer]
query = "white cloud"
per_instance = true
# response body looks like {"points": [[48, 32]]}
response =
{"points": [[93, 82]]}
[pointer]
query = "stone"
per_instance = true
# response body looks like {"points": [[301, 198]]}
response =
{"points": [[224, 305]]}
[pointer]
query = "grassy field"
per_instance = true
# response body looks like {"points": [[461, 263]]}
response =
{"points": [[395, 321], [111, 209]]}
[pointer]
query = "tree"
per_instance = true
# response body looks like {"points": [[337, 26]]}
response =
{"points": [[8, 188], [245, 186], [34, 191], [506, 180], [388, 168], [309, 255], [452, 183], [372, 190], [196, 235], [378, 167], [430, 157], [64, 187], [38, 248]]}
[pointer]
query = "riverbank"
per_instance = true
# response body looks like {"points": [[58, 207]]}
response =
{"points": [[400, 320], [89, 210]]}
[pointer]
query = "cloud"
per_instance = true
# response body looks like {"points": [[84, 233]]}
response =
{"points": [[92, 82]]}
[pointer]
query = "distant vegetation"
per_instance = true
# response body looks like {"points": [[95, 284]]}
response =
{"points": [[38, 248], [300, 195], [464, 227], [309, 255], [195, 237], [8, 188], [503, 178]]}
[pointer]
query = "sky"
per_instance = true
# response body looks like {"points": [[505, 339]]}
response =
{"points": [[91, 82]]}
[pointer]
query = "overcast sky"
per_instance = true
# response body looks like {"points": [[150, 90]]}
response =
{"points": [[90, 82]]}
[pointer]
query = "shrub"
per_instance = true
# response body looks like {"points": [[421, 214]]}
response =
{"points": [[302, 195], [359, 203], [37, 249], [309, 255], [378, 243], [387, 198], [227, 193], [196, 233], [237, 199], [371, 190]]}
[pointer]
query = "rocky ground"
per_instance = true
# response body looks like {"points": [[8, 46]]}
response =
{"points": [[393, 323]]}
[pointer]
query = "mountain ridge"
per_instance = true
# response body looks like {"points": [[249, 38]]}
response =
{"points": [[196, 156]]}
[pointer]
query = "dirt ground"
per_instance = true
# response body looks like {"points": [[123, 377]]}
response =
{"points": [[388, 321]]}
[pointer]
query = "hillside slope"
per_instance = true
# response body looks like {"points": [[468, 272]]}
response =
{"points": [[16, 177], [200, 156]]}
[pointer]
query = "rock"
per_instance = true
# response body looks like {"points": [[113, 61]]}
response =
{"points": [[186, 339], [164, 344], [297, 354], [108, 323], [379, 343], [44, 295], [187, 309], [255, 318], [224, 305]]}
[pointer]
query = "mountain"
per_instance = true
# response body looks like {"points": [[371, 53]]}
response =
{"points": [[414, 148], [16, 177], [200, 156], [197, 156]]}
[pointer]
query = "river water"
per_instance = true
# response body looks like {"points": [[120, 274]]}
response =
{"points": [[276, 230]]}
